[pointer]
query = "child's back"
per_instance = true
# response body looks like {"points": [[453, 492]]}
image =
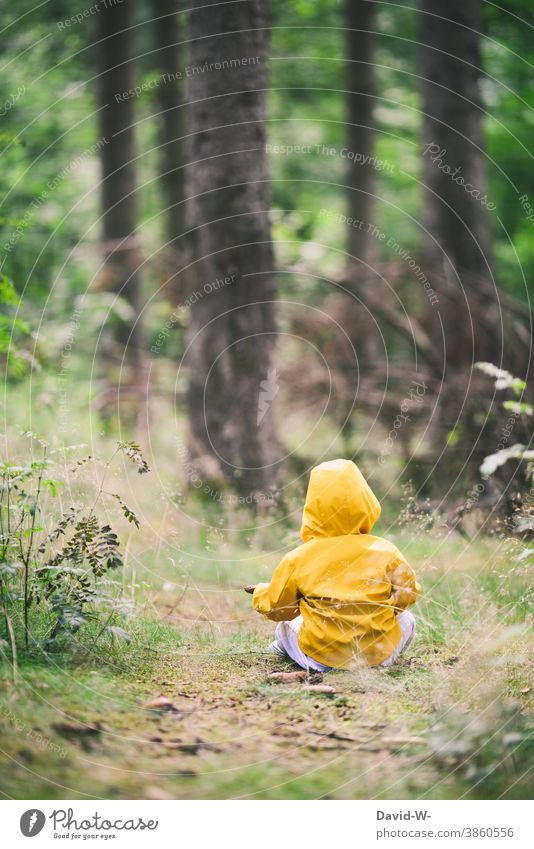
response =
{"points": [[347, 584]]}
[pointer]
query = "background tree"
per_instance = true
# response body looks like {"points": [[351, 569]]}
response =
{"points": [[455, 202], [169, 41], [122, 354], [232, 377], [360, 76], [472, 322]]}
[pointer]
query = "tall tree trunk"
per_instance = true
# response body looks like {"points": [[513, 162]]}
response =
{"points": [[359, 20], [230, 357], [455, 213], [363, 350], [120, 275], [169, 35], [458, 238]]}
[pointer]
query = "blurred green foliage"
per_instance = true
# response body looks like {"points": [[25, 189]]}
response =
{"points": [[49, 120]]}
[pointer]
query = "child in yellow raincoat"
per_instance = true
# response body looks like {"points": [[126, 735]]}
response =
{"points": [[342, 595]]}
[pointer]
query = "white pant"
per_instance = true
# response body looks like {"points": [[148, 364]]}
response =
{"points": [[286, 642], [407, 626]]}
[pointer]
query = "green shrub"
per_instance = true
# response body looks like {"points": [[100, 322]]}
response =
{"points": [[56, 564]]}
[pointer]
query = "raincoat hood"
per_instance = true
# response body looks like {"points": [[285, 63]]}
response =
{"points": [[339, 501]]}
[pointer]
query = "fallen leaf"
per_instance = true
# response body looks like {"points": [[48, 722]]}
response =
{"points": [[525, 690], [319, 688], [402, 741], [161, 702], [157, 793], [288, 677], [192, 748], [333, 735]]}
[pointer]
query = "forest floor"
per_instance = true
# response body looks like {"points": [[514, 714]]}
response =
{"points": [[450, 720]]}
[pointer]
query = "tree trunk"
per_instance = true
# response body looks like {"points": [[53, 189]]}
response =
{"points": [[359, 19], [455, 210], [456, 215], [123, 356], [230, 356], [169, 36], [360, 244]]}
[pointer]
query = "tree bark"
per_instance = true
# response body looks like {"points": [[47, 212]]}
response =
{"points": [[359, 21], [120, 273], [455, 212], [230, 355], [456, 215], [361, 280], [169, 35]]}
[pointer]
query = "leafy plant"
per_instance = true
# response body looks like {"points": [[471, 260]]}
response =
{"points": [[56, 566], [133, 451], [11, 329], [503, 379], [518, 451], [415, 515]]}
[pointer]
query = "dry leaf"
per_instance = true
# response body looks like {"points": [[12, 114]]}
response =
{"points": [[288, 677], [161, 702], [319, 688], [402, 741], [154, 792], [192, 748]]}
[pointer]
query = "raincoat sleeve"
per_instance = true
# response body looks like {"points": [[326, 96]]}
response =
{"points": [[404, 586], [278, 600]]}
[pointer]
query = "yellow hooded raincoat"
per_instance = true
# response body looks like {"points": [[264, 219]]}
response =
{"points": [[346, 583]]}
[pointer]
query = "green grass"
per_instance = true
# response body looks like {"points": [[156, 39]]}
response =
{"points": [[453, 719]]}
